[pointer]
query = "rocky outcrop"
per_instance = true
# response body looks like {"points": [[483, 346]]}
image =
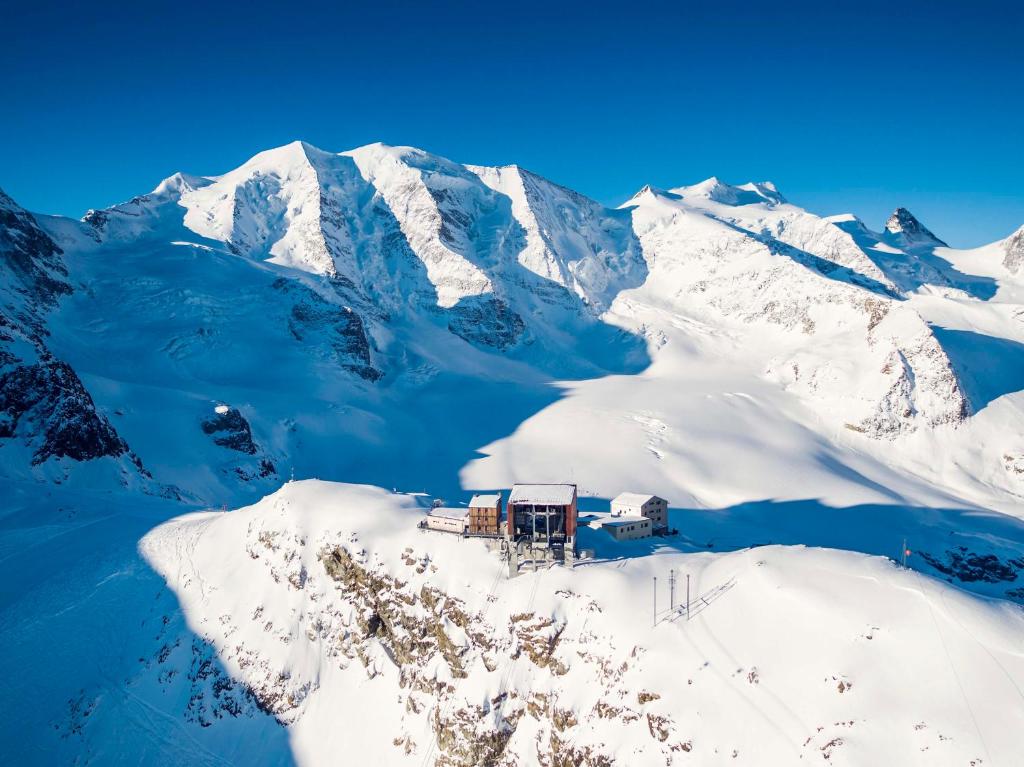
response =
{"points": [[229, 429], [42, 400], [369, 619], [967, 566], [334, 329], [904, 225], [921, 386], [413, 626], [31, 260], [48, 405], [486, 321], [1013, 248]]}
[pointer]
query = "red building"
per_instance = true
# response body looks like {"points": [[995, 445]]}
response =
{"points": [[544, 515]]}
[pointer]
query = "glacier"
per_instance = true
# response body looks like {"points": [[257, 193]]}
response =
{"points": [[224, 405]]}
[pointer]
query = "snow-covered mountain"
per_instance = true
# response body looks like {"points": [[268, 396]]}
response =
{"points": [[45, 411], [388, 317]]}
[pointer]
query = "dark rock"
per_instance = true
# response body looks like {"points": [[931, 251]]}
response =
{"points": [[231, 430], [487, 321], [264, 469], [42, 399], [33, 259], [51, 396], [314, 319], [903, 223], [968, 567]]}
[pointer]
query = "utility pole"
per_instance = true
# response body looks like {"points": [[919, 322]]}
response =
{"points": [[655, 601], [671, 589], [687, 596]]}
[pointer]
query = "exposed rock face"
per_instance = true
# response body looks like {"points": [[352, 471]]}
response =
{"points": [[922, 385], [32, 278], [31, 256], [396, 625], [568, 240], [1014, 249], [967, 566], [47, 400], [414, 626], [903, 223], [486, 321], [335, 328], [230, 429], [42, 399]]}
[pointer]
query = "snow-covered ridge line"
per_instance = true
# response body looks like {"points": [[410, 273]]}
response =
{"points": [[392, 267]]}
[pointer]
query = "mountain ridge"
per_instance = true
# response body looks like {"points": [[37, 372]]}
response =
{"points": [[369, 256]]}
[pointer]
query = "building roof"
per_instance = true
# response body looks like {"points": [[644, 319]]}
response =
{"points": [[624, 520], [485, 501], [552, 495], [447, 513], [633, 499]]}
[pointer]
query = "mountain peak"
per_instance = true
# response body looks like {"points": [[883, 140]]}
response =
{"points": [[646, 190], [6, 201], [904, 224], [178, 183], [716, 190], [1013, 247]]}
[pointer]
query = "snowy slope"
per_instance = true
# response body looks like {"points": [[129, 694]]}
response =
{"points": [[390, 317], [322, 613]]}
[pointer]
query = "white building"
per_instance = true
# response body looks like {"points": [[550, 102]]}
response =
{"points": [[448, 520], [641, 505], [628, 527]]}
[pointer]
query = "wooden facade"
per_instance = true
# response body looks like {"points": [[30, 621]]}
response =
{"points": [[485, 515]]}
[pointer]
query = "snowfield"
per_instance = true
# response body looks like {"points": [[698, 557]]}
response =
{"points": [[806, 392]]}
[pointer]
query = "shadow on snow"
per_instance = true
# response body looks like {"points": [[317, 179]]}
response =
{"points": [[124, 679], [982, 551], [918, 267], [988, 367]]}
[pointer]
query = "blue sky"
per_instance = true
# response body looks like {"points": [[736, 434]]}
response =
{"points": [[847, 107]]}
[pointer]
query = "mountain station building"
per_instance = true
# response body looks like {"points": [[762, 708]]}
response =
{"points": [[448, 520], [485, 515], [544, 517], [627, 527], [642, 505]]}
